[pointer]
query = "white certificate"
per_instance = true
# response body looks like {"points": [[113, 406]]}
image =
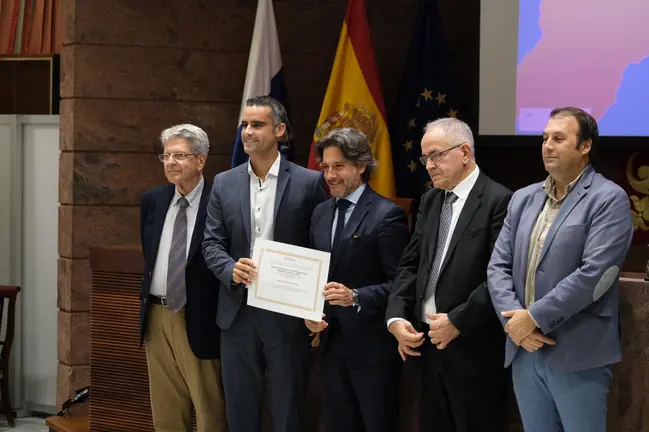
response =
{"points": [[290, 279]]}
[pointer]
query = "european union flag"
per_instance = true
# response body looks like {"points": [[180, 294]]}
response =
{"points": [[426, 94]]}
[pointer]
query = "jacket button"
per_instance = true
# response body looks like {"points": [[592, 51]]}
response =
{"points": [[149, 273]]}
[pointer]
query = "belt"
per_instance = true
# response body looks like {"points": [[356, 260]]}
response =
{"points": [[162, 301]]}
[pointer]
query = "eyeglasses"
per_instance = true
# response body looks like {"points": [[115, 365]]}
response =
{"points": [[176, 156], [435, 157]]}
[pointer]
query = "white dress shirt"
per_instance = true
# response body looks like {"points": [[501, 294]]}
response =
{"points": [[262, 203], [462, 191], [352, 198], [159, 278]]}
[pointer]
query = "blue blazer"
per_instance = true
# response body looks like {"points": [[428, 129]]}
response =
{"points": [[227, 229], [202, 287], [576, 286], [367, 259]]}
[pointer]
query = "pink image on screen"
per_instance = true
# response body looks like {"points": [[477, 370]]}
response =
{"points": [[580, 62]]}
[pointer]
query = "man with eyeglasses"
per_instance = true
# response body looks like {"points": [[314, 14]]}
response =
{"points": [[439, 307], [179, 292]]}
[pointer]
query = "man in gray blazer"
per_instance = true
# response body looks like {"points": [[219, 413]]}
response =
{"points": [[553, 279], [266, 198]]}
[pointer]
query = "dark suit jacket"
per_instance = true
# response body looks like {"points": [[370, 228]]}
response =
{"points": [[366, 260], [202, 287], [227, 229], [462, 290]]}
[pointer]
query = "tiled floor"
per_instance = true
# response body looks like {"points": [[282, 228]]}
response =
{"points": [[27, 424]]}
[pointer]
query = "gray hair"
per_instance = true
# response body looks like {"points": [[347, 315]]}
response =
{"points": [[456, 131], [195, 137], [354, 145]]}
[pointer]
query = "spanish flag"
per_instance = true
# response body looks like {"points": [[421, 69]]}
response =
{"points": [[354, 97]]}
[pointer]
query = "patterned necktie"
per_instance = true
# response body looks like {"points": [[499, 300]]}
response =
{"points": [[442, 234], [342, 205], [176, 291]]}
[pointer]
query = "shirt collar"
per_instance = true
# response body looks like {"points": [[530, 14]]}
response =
{"points": [[464, 187], [549, 186], [274, 169], [192, 197], [356, 195]]}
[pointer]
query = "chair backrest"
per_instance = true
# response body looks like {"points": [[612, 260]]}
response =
{"points": [[406, 204], [10, 293]]}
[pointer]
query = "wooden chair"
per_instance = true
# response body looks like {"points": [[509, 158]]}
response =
{"points": [[406, 204], [7, 293]]}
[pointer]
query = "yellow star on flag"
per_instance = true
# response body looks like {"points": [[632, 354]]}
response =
{"points": [[440, 98], [452, 113], [413, 166], [427, 94], [411, 123], [408, 145]]}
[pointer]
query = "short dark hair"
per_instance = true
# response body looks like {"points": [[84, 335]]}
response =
{"points": [[588, 129], [354, 145], [277, 110]]}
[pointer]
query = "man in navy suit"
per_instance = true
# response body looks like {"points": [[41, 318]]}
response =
{"points": [[179, 292], [265, 198], [554, 282], [366, 234]]}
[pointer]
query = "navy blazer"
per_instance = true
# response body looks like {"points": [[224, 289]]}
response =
{"points": [[366, 259], [202, 287], [227, 229]]}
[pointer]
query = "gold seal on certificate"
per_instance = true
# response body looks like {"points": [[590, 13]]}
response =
{"points": [[290, 279]]}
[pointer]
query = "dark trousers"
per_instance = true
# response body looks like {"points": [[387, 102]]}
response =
{"points": [[359, 394], [260, 342], [459, 401]]}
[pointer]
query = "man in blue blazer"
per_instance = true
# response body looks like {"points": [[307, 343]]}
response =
{"points": [[366, 234], [553, 279], [266, 198], [179, 293]]}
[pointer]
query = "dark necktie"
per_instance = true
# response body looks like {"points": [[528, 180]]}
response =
{"points": [[342, 205], [176, 290], [442, 233]]}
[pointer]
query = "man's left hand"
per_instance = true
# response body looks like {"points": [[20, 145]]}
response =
{"points": [[520, 325], [442, 331], [338, 294]]}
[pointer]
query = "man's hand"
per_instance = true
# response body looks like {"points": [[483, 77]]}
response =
{"points": [[520, 325], [245, 271], [535, 341], [338, 294], [315, 342], [442, 331], [408, 338], [315, 326]]}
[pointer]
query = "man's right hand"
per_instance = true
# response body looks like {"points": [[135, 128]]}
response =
{"points": [[245, 271], [408, 338], [315, 326], [535, 341]]}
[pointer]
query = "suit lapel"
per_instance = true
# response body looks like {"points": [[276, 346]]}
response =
{"points": [[199, 226], [159, 215], [282, 181], [573, 198], [527, 223], [244, 197], [430, 233], [468, 210], [326, 226], [358, 214]]}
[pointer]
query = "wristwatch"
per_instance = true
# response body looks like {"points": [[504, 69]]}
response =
{"points": [[355, 298]]}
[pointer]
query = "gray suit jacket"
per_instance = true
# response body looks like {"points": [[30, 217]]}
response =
{"points": [[576, 285], [227, 228]]}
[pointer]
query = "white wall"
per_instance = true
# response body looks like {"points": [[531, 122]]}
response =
{"points": [[40, 255], [29, 164]]}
